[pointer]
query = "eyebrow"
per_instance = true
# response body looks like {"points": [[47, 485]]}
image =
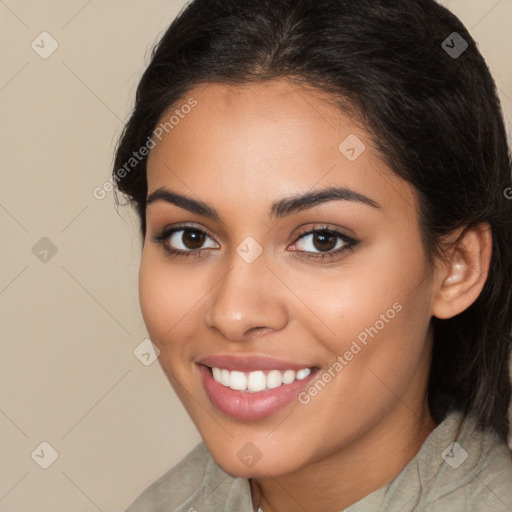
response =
{"points": [[280, 208]]}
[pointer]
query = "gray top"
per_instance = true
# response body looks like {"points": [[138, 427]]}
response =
{"points": [[474, 474]]}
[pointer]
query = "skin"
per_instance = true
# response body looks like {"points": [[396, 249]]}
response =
{"points": [[240, 149]]}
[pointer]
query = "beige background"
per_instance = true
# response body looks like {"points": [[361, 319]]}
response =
{"points": [[70, 324]]}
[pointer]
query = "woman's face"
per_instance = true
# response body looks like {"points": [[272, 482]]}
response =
{"points": [[259, 299]]}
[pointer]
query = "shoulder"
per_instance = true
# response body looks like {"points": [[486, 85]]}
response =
{"points": [[487, 482], [474, 470], [195, 483], [174, 486], [458, 469]]}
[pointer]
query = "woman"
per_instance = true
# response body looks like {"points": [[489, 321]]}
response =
{"points": [[327, 254]]}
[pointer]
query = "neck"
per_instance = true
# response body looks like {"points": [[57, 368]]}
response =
{"points": [[353, 472]]}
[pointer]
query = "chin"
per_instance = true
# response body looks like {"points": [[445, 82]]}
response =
{"points": [[245, 460]]}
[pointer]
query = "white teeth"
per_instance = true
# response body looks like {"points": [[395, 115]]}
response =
{"points": [[302, 374], [217, 374], [238, 381], [274, 379], [288, 376], [257, 380], [225, 378]]}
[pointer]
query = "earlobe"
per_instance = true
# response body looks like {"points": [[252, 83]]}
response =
{"points": [[462, 277]]}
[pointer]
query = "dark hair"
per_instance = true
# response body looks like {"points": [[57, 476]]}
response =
{"points": [[434, 116]]}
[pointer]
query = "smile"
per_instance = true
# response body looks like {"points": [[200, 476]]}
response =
{"points": [[258, 380], [251, 389]]}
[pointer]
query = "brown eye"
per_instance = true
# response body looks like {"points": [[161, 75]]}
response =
{"points": [[192, 238], [184, 240], [323, 241]]}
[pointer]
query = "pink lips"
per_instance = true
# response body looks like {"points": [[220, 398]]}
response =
{"points": [[245, 405], [248, 363]]}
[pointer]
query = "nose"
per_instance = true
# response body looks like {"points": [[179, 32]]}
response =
{"points": [[248, 301]]}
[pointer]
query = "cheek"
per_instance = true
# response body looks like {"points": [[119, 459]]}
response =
{"points": [[167, 296], [380, 313], [366, 295]]}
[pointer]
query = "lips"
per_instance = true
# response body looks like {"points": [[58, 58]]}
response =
{"points": [[249, 363], [257, 380], [253, 387]]}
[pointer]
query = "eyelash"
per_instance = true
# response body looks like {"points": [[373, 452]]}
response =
{"points": [[162, 237]]}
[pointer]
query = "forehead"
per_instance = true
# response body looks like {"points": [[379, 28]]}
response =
{"points": [[260, 141]]}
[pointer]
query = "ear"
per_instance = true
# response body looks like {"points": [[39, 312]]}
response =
{"points": [[461, 275]]}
